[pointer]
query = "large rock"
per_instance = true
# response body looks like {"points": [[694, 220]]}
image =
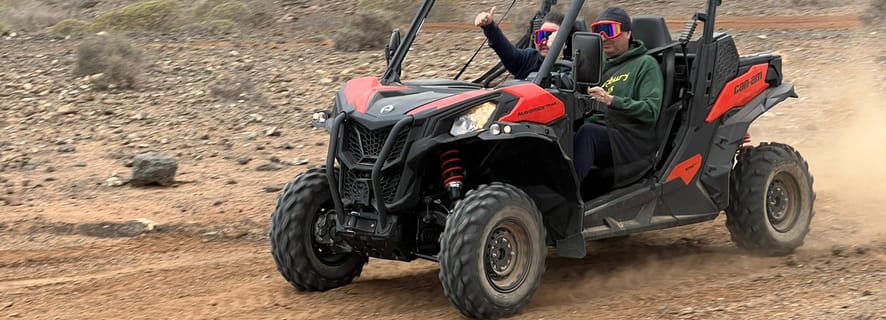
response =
{"points": [[153, 168]]}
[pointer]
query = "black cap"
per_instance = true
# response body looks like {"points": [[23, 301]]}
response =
{"points": [[617, 14]]}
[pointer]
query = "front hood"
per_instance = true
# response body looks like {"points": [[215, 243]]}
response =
{"points": [[368, 96]]}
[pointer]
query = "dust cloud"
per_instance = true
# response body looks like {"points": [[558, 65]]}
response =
{"points": [[849, 166]]}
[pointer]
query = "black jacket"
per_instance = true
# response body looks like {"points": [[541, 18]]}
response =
{"points": [[519, 62]]}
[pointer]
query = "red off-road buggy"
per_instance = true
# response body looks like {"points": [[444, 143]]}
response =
{"points": [[481, 177]]}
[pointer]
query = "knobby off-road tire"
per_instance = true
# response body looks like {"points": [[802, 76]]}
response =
{"points": [[771, 204], [492, 252], [305, 263]]}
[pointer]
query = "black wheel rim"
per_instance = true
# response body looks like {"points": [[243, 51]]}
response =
{"points": [[507, 255], [320, 228], [783, 202]]}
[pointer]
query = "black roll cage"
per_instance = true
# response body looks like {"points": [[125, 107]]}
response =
{"points": [[394, 69]]}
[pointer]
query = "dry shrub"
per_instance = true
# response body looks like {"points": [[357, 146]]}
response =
{"points": [[235, 87], [153, 15], [402, 11], [365, 31], [252, 14], [213, 27], [4, 29], [230, 10], [804, 3], [69, 27], [111, 61], [30, 15], [875, 15]]}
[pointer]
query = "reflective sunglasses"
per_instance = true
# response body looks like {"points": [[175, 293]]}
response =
{"points": [[542, 35], [607, 29]]}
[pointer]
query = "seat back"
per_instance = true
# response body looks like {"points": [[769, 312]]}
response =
{"points": [[653, 31]]}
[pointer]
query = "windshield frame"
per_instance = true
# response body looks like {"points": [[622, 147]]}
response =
{"points": [[395, 66]]}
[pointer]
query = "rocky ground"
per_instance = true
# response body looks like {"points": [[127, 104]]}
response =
{"points": [[77, 240]]}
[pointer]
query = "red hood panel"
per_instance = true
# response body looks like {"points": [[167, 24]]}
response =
{"points": [[359, 92], [535, 105]]}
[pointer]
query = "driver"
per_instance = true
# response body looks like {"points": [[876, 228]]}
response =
{"points": [[520, 62], [624, 136]]}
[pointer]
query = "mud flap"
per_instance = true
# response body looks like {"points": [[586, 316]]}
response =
{"points": [[572, 247]]}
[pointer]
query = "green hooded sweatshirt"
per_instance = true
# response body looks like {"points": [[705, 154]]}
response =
{"points": [[635, 81], [636, 85]]}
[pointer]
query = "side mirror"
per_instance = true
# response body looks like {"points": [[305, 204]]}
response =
{"points": [[393, 45], [587, 54]]}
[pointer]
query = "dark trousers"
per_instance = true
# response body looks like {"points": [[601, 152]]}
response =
{"points": [[592, 149]]}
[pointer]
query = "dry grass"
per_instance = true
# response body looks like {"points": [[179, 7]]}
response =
{"points": [[69, 27], [30, 15], [4, 29], [213, 27], [254, 13], [365, 31], [235, 87], [402, 11], [875, 14], [153, 15], [111, 61]]}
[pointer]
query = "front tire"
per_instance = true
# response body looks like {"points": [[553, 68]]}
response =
{"points": [[771, 205], [301, 235], [492, 252]]}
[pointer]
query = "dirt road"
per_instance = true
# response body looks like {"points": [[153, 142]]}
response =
{"points": [[68, 250]]}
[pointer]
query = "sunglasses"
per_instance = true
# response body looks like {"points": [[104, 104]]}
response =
{"points": [[542, 35], [607, 29]]}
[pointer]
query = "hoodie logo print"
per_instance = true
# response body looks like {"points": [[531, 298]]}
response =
{"points": [[610, 84]]}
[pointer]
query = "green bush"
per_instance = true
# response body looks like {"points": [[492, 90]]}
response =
{"points": [[245, 14], [365, 31], [153, 15], [202, 7], [213, 27], [4, 29], [231, 10], [69, 27], [110, 61]]}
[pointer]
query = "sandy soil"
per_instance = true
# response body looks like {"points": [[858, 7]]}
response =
{"points": [[68, 248]]}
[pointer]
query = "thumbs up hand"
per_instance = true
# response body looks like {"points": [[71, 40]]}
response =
{"points": [[485, 18]]}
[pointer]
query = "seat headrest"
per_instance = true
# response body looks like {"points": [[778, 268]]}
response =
{"points": [[581, 25], [652, 30]]}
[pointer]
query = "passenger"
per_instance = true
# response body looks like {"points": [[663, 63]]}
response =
{"points": [[623, 137], [520, 62]]}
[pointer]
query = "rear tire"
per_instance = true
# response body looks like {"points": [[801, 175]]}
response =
{"points": [[771, 205], [492, 252], [308, 264]]}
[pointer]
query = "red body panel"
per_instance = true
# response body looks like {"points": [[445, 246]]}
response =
{"points": [[686, 170], [535, 105], [359, 92], [740, 91], [448, 101]]}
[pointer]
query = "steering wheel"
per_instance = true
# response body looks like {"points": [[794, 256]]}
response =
{"points": [[561, 74], [563, 66]]}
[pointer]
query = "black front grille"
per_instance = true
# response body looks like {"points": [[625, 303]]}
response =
{"points": [[364, 145], [357, 184]]}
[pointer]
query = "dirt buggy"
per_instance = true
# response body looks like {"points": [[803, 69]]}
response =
{"points": [[479, 175]]}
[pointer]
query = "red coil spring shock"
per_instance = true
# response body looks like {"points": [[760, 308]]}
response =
{"points": [[745, 144], [452, 172]]}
